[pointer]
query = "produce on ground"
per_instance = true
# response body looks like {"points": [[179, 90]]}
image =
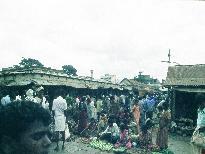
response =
{"points": [[102, 145]]}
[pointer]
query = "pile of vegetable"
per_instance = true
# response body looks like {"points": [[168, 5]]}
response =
{"points": [[98, 144], [154, 148], [164, 152], [119, 150]]}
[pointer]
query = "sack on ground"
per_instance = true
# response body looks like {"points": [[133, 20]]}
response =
{"points": [[198, 138]]}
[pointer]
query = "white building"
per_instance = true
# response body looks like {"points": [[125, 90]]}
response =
{"points": [[109, 78]]}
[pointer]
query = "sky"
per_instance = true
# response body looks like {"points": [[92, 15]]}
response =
{"points": [[119, 37]]}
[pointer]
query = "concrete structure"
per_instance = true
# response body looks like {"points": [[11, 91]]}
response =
{"points": [[109, 78]]}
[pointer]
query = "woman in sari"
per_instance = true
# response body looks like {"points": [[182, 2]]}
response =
{"points": [[136, 114], [83, 115], [164, 123]]}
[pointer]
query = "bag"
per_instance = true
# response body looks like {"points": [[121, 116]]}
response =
{"points": [[67, 132], [198, 138]]}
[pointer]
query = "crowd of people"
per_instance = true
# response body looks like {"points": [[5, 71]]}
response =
{"points": [[113, 118]]}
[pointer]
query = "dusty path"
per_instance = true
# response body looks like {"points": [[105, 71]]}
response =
{"points": [[178, 144]]}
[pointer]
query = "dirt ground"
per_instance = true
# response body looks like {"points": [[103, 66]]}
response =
{"points": [[177, 144], [180, 145]]}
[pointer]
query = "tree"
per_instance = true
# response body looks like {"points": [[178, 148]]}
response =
{"points": [[16, 66], [69, 69], [28, 63]]}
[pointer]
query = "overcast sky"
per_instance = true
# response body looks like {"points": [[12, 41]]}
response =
{"points": [[120, 37]]}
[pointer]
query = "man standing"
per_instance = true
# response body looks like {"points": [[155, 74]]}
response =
{"points": [[40, 98], [99, 104], [59, 107]]}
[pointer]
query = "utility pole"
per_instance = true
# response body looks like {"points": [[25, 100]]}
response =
{"points": [[169, 58], [140, 76]]}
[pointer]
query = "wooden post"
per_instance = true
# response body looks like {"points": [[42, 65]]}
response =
{"points": [[172, 104]]}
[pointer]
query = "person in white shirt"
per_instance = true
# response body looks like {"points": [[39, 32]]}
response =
{"points": [[29, 96], [77, 101], [6, 100], [99, 105], [59, 107], [93, 109]]}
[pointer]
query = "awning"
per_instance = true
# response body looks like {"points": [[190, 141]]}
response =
{"points": [[163, 89], [191, 90]]}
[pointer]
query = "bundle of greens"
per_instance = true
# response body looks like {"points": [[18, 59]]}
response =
{"points": [[98, 144], [154, 148], [167, 151], [120, 150]]}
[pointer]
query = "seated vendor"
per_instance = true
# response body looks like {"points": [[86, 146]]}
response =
{"points": [[145, 137], [124, 137], [112, 132]]}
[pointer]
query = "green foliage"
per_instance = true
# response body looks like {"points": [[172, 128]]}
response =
{"points": [[70, 101], [102, 145], [71, 106], [28, 63], [167, 151], [69, 69], [16, 66]]}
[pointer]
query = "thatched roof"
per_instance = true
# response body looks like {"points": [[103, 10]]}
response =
{"points": [[186, 75]]}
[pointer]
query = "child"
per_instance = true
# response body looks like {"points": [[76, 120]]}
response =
{"points": [[124, 137], [102, 122], [160, 111]]}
